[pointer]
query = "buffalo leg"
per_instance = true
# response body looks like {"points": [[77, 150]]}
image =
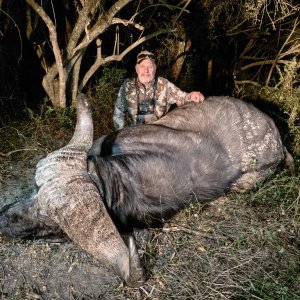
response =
{"points": [[136, 271]]}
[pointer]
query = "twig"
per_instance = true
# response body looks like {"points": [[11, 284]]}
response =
{"points": [[148, 294], [127, 22], [295, 203], [15, 151], [21, 44], [265, 62], [248, 82], [279, 53], [177, 228]]}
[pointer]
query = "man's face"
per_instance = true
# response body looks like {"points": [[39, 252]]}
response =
{"points": [[145, 71]]}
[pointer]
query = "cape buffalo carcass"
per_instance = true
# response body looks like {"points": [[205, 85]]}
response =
{"points": [[144, 174]]}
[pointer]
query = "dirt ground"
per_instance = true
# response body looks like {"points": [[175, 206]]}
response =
{"points": [[225, 250]]}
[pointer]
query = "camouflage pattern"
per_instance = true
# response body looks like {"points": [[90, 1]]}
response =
{"points": [[154, 102]]}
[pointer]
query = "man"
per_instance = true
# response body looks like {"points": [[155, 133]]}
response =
{"points": [[147, 97]]}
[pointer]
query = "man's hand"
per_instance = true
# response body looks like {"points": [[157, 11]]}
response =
{"points": [[196, 97]]}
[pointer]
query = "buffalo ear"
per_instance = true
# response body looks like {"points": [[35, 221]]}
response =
{"points": [[21, 219]]}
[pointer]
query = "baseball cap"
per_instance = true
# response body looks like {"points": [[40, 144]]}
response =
{"points": [[144, 55]]}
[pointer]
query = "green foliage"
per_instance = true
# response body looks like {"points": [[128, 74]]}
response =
{"points": [[51, 128], [43, 132], [64, 118], [268, 289], [103, 96], [278, 194]]}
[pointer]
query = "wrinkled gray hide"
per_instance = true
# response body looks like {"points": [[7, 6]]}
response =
{"points": [[194, 153]]}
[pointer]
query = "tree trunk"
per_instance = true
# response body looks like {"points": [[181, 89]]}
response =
{"points": [[182, 48]]}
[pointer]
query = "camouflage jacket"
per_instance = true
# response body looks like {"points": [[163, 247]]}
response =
{"points": [[139, 105]]}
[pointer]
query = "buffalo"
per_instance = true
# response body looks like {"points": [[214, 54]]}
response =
{"points": [[142, 175]]}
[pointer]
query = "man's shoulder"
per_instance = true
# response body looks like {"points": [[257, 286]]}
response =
{"points": [[161, 81], [129, 81], [128, 84]]}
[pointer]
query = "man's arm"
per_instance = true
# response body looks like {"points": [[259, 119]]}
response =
{"points": [[176, 95], [120, 109]]}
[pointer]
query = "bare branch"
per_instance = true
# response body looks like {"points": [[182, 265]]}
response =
{"points": [[264, 62], [293, 50], [127, 22], [233, 31], [177, 228], [247, 82], [84, 16], [101, 25], [182, 9], [281, 49], [187, 2]]}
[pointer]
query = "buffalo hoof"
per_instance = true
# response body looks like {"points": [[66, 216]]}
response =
{"points": [[137, 275]]}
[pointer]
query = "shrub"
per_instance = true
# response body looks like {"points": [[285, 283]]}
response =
{"points": [[102, 98]]}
